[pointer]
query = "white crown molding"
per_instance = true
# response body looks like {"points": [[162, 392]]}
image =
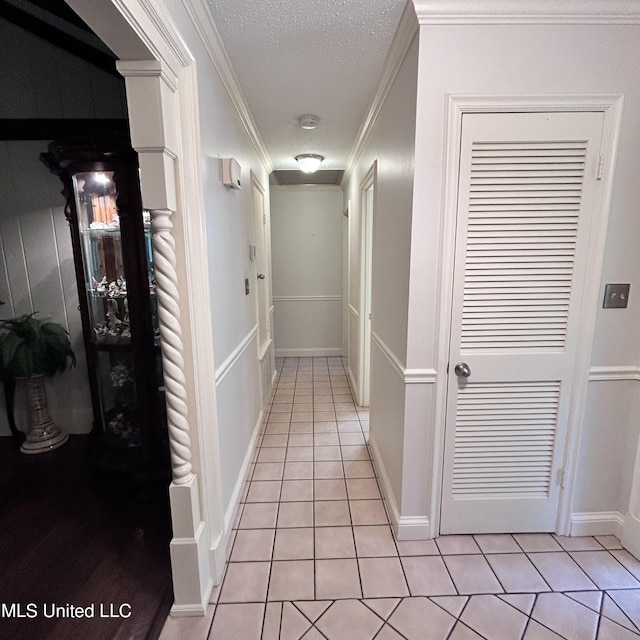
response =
{"points": [[407, 29], [454, 12], [614, 373], [212, 41]]}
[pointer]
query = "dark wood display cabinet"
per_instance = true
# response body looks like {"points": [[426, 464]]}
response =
{"points": [[111, 236]]}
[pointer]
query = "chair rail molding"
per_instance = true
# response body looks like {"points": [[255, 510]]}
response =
{"points": [[614, 373], [408, 376]]}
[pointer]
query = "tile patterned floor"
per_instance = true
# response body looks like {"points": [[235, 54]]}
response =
{"points": [[313, 555]]}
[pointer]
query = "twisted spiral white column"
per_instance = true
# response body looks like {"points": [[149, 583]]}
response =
{"points": [[164, 257]]}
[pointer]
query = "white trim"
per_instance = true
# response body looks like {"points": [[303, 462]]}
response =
{"points": [[212, 42], [354, 312], [531, 103], [148, 69], [188, 555], [630, 372], [385, 484], [406, 32], [611, 106], [408, 376], [220, 546], [352, 382], [307, 299], [394, 361], [234, 501], [405, 527], [460, 12], [234, 356], [320, 352], [590, 295], [597, 523], [630, 536], [265, 349], [369, 182]]}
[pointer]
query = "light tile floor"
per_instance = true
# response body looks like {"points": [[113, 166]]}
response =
{"points": [[313, 555]]}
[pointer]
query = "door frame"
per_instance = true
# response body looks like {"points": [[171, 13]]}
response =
{"points": [[367, 217], [611, 105]]}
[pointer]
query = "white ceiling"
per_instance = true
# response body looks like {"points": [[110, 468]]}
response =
{"points": [[308, 56]]}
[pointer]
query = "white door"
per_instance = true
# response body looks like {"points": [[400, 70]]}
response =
{"points": [[525, 206], [261, 264]]}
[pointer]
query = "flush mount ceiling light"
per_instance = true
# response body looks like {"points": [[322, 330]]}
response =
{"points": [[309, 162], [308, 121]]}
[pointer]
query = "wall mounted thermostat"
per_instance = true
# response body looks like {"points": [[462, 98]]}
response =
{"points": [[231, 173]]}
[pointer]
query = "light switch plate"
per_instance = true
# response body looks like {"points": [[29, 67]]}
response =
{"points": [[616, 296]]}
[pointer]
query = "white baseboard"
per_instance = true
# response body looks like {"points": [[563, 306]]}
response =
{"points": [[234, 502], [405, 527], [309, 353], [597, 523], [219, 548]]}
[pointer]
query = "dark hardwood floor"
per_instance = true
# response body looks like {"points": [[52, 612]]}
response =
{"points": [[71, 537]]}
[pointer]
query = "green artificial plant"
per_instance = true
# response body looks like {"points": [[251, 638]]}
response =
{"points": [[31, 346]]}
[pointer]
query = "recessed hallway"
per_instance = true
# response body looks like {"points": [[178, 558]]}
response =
{"points": [[313, 555]]}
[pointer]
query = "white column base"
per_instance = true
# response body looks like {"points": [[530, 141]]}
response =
{"points": [[405, 527], [192, 582]]}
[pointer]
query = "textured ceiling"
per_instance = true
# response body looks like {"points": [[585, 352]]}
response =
{"points": [[308, 56]]}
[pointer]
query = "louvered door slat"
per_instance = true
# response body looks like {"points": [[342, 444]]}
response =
{"points": [[490, 462], [545, 244]]}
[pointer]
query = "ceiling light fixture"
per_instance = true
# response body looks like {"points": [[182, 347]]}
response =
{"points": [[308, 121], [309, 162]]}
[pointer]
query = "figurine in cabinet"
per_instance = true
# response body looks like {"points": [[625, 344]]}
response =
{"points": [[111, 237]]}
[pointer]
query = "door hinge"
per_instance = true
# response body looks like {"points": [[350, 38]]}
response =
{"points": [[600, 168], [561, 478]]}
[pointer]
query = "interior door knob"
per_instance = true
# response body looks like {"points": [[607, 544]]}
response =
{"points": [[462, 370], [261, 276]]}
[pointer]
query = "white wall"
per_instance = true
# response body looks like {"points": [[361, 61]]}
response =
{"points": [[229, 220], [391, 143], [306, 240], [39, 80], [557, 59], [37, 274]]}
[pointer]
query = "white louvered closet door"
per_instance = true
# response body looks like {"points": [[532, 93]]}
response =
{"points": [[525, 204]]}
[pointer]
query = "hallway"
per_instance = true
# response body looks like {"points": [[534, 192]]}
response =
{"points": [[313, 556]]}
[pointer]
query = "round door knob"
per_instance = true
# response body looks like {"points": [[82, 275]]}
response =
{"points": [[462, 370], [261, 276]]}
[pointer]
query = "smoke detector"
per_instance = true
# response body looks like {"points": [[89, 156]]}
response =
{"points": [[308, 121]]}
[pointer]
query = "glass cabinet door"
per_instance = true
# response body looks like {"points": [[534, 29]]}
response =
{"points": [[101, 242], [106, 290]]}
